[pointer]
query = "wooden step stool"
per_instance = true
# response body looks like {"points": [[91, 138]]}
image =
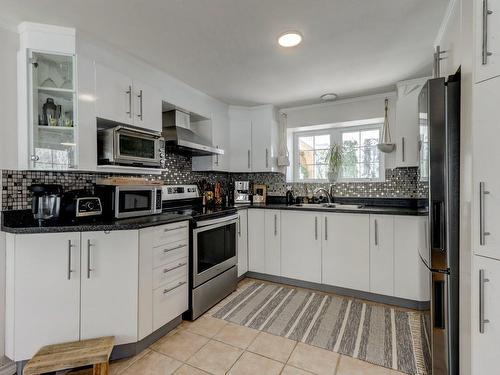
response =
{"points": [[70, 355]]}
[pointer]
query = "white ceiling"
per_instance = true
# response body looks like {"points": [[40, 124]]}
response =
{"points": [[228, 49]]}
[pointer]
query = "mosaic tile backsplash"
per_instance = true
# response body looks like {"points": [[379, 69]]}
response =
{"points": [[400, 182]]}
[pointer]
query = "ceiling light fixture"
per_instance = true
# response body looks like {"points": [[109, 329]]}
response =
{"points": [[290, 39], [328, 97]]}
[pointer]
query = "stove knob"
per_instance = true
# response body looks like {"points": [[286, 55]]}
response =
{"points": [[90, 206]]}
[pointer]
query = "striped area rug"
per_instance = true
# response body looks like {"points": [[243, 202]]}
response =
{"points": [[374, 333]]}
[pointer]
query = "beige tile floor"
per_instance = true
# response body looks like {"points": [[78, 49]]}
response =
{"points": [[211, 346]]}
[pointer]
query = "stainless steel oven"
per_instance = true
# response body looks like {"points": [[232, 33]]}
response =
{"points": [[214, 248], [129, 201], [122, 145], [214, 262]]}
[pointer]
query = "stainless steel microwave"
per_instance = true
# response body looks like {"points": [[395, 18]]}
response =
{"points": [[122, 145], [122, 201]]}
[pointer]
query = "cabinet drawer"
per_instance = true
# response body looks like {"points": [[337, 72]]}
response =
{"points": [[175, 271], [169, 253], [167, 234], [169, 302]]}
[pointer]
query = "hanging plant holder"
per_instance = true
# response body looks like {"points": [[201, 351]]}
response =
{"points": [[386, 146]]}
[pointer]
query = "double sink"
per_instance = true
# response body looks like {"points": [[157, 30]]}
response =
{"points": [[329, 206]]}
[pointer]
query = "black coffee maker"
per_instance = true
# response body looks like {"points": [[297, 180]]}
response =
{"points": [[46, 201]]}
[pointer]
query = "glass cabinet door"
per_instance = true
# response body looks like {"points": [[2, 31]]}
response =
{"points": [[53, 111]]}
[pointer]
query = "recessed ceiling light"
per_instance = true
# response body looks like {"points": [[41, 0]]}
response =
{"points": [[328, 97], [290, 39]]}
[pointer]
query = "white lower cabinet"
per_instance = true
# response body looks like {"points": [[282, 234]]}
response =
{"points": [[256, 241], [301, 245], [485, 315], [382, 254], [109, 285], [346, 251], [242, 242], [43, 292], [272, 234], [411, 277]]}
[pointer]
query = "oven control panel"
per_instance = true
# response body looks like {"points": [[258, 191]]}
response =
{"points": [[171, 192]]}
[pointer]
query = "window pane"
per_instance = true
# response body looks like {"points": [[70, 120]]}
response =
{"points": [[322, 141], [306, 143]]}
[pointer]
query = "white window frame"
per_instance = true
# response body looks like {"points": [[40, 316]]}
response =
{"points": [[335, 133]]}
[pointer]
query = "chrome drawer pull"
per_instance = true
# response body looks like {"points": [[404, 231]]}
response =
{"points": [[70, 246], [482, 320], [174, 248], [482, 232], [165, 291], [171, 229], [166, 270]]}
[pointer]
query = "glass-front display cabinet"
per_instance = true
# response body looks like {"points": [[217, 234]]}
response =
{"points": [[53, 111]]}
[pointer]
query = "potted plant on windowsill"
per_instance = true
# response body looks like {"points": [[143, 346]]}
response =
{"points": [[335, 156]]}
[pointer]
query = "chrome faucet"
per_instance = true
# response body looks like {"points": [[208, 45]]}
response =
{"points": [[327, 193]]}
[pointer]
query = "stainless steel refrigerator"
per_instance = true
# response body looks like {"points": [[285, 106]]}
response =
{"points": [[439, 122]]}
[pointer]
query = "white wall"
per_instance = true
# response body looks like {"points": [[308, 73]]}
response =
{"points": [[9, 42]]}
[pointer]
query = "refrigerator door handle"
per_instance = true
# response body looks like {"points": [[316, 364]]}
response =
{"points": [[438, 226]]}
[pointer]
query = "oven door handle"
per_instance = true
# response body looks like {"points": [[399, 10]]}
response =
{"points": [[221, 220]]}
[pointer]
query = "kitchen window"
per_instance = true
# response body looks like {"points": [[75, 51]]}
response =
{"points": [[362, 159]]}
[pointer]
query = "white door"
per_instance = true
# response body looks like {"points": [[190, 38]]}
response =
{"points": [[114, 95], [256, 240], [46, 291], [273, 242], [486, 216], [220, 139], [411, 277], [242, 242], [382, 254], [486, 39], [241, 140], [485, 337], [147, 107], [301, 245], [346, 251], [110, 266]]}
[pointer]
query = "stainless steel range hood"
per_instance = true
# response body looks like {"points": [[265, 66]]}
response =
{"points": [[178, 134]]}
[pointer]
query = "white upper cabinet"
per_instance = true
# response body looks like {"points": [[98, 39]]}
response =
{"points": [[301, 245], [147, 107], [43, 299], [121, 99], [486, 39], [109, 286], [346, 251], [254, 139], [449, 41], [241, 139], [47, 98], [406, 128], [264, 139], [382, 254], [486, 179]]}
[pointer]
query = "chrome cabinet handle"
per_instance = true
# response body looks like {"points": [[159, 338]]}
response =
{"points": [[165, 291], [275, 224], [171, 229], [326, 228], [376, 232], [129, 93], [403, 149], [267, 158], [70, 247], [217, 158], [166, 270], [249, 166], [239, 226], [89, 269], [482, 232], [482, 320], [485, 52], [174, 248], [315, 227], [140, 105]]}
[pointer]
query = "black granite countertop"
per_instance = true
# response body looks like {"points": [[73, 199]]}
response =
{"points": [[379, 206], [21, 221]]}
